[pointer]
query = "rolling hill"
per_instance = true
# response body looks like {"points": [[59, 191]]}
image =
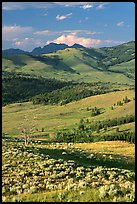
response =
{"points": [[77, 64], [76, 138], [114, 65], [54, 117], [127, 68], [12, 52], [118, 54]]}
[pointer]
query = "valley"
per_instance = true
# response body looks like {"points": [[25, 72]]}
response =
{"points": [[68, 124]]}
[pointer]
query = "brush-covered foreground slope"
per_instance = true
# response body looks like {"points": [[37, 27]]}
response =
{"points": [[82, 64], [55, 118], [67, 172]]}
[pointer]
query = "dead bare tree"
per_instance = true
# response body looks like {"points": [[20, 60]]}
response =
{"points": [[27, 129]]}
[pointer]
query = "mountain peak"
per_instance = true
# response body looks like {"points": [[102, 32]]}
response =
{"points": [[12, 51], [51, 47], [75, 45]]}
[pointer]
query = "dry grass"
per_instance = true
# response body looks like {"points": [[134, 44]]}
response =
{"points": [[53, 118], [107, 147]]}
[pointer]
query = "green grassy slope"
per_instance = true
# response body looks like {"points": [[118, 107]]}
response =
{"points": [[127, 68], [47, 171], [76, 58], [54, 118], [118, 54], [88, 65]]}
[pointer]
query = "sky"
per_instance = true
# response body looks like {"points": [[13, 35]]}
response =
{"points": [[26, 25]]}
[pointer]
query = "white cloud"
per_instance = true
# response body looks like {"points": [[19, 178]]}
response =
{"points": [[30, 43], [75, 32], [120, 24], [93, 32], [112, 42], [101, 5], [63, 17], [11, 32], [70, 32], [38, 5], [72, 4], [72, 39], [44, 32], [25, 5], [87, 6], [86, 42], [27, 43]]}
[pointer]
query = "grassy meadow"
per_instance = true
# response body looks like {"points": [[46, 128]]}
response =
{"points": [[53, 118], [68, 64], [68, 112], [49, 171], [125, 67]]}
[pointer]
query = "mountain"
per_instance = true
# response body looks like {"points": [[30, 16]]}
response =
{"points": [[12, 51], [76, 46], [108, 67], [111, 64], [52, 47]]}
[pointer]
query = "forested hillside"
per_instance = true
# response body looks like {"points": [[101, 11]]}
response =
{"points": [[17, 88], [98, 70]]}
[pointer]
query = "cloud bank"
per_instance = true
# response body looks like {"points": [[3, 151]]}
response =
{"points": [[11, 32], [40, 5], [72, 39], [86, 42]]}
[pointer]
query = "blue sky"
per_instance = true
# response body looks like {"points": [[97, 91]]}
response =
{"points": [[26, 25]]}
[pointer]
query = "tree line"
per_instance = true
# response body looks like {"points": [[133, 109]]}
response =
{"points": [[20, 87], [86, 132], [73, 92]]}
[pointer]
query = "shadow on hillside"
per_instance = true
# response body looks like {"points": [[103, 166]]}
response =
{"points": [[16, 60], [80, 158], [56, 62]]}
